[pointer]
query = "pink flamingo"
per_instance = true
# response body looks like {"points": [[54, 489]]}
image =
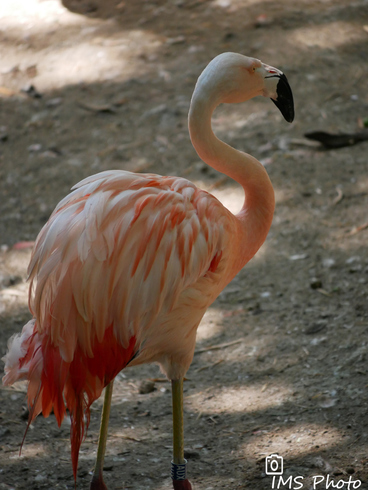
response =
{"points": [[127, 265]]}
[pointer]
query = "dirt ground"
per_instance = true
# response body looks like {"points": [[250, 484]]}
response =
{"points": [[281, 360]]}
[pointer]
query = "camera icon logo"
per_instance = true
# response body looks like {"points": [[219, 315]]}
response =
{"points": [[274, 465]]}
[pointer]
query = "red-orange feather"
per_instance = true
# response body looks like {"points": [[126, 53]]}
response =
{"points": [[74, 385]]}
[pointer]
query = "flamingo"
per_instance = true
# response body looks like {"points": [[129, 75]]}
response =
{"points": [[126, 266]]}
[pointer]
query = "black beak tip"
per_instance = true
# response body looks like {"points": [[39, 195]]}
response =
{"points": [[285, 101]]}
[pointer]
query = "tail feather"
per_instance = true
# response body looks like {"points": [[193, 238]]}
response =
{"points": [[77, 429], [54, 375], [58, 385]]}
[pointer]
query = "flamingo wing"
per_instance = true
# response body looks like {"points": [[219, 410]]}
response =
{"points": [[114, 258], [118, 251]]}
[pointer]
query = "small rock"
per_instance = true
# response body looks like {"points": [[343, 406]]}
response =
{"points": [[54, 102], [32, 92], [48, 154], [223, 3], [316, 327], [191, 454], [298, 257], [326, 401], [146, 386], [176, 40], [3, 133], [352, 259], [315, 283], [35, 147], [318, 340], [39, 478], [265, 294], [328, 263]]}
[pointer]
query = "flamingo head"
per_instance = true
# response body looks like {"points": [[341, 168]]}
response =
{"points": [[232, 78]]}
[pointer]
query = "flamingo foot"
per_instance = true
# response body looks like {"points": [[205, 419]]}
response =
{"points": [[98, 483], [182, 485]]}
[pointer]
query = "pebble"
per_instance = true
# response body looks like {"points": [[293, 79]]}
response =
{"points": [[3, 133], [191, 454], [145, 387], [328, 263], [54, 102], [298, 257], [315, 283], [40, 478], [352, 259], [34, 148], [316, 327], [265, 294]]}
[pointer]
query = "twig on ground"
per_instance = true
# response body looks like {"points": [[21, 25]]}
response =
{"points": [[219, 346]]}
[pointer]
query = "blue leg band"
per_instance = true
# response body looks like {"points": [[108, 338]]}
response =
{"points": [[179, 471]]}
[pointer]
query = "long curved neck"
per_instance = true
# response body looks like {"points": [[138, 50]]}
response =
{"points": [[256, 214]]}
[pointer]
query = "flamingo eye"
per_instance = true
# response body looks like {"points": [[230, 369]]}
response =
{"points": [[255, 67]]}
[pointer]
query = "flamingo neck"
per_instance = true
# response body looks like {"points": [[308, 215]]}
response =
{"points": [[256, 214]]}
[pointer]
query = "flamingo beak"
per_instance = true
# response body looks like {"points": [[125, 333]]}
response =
{"points": [[284, 97], [277, 88]]}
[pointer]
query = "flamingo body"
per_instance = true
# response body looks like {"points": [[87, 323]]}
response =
{"points": [[126, 266]]}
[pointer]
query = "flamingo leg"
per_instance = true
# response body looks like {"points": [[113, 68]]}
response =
{"points": [[178, 464], [97, 482]]}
